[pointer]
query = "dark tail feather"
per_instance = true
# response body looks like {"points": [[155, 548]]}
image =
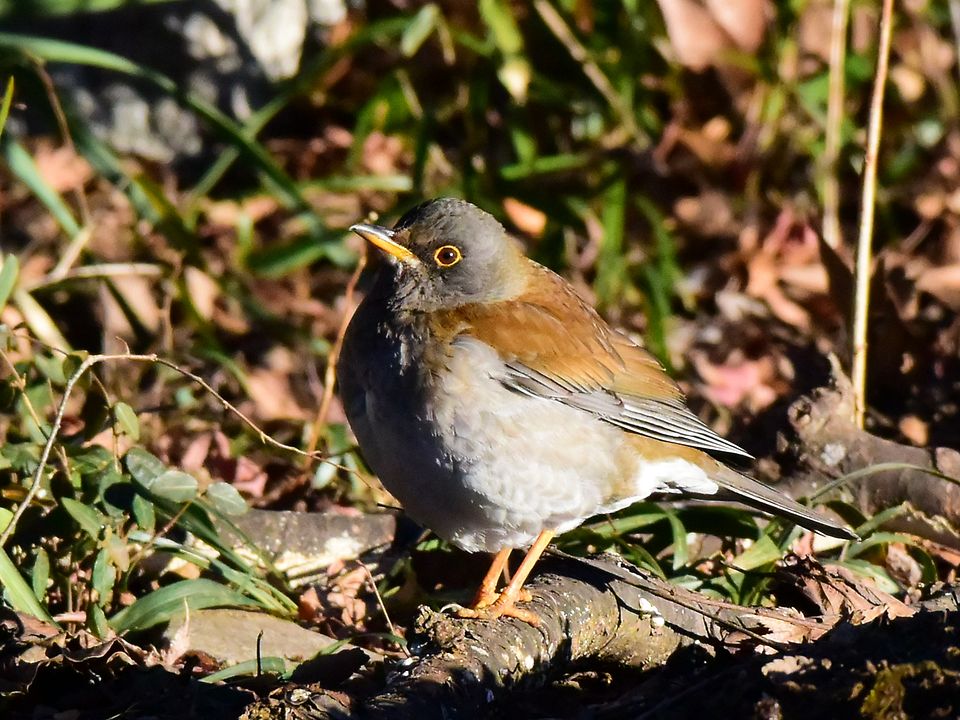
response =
{"points": [[762, 497]]}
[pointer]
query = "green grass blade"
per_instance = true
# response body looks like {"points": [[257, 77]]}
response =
{"points": [[39, 321], [681, 551], [270, 665], [17, 590], [52, 8], [161, 605], [5, 105], [420, 28], [878, 468], [25, 169], [762, 552], [611, 265], [9, 272]]}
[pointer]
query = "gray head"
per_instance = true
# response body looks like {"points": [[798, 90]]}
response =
{"points": [[446, 253]]}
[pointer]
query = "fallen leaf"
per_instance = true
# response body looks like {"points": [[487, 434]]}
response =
{"points": [[697, 39], [528, 219], [743, 20], [61, 168], [943, 283]]}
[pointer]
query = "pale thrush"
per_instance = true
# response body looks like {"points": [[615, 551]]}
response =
{"points": [[500, 409]]}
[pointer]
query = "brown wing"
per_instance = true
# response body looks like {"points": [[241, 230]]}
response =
{"points": [[556, 346]]}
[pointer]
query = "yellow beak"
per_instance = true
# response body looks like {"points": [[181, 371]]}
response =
{"points": [[383, 238]]}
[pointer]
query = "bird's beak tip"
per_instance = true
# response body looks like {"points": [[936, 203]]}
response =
{"points": [[383, 238], [362, 228]]}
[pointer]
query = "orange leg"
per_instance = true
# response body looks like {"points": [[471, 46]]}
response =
{"points": [[506, 603], [487, 593]]}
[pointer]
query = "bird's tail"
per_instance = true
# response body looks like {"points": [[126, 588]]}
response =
{"points": [[762, 497]]}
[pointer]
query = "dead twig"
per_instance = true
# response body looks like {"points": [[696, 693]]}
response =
{"points": [[861, 303]]}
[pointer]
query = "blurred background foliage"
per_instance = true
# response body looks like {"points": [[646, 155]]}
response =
{"points": [[178, 177]]}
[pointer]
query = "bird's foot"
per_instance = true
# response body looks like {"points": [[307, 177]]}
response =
{"points": [[486, 598], [501, 606]]}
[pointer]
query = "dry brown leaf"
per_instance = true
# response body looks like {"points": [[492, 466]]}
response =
{"points": [[196, 453], [697, 40], [902, 566], [708, 214], [61, 168], [528, 219], [743, 20], [383, 154], [782, 630], [227, 212], [309, 607], [814, 28], [343, 596], [273, 396], [943, 283], [203, 291], [739, 381], [837, 590], [915, 430], [909, 82], [249, 477], [788, 257], [709, 149], [137, 293]]}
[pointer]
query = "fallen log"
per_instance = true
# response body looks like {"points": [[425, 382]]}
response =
{"points": [[595, 612]]}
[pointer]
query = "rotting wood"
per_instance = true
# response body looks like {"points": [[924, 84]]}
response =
{"points": [[827, 445]]}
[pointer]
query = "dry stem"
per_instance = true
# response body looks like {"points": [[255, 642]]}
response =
{"points": [[861, 304]]}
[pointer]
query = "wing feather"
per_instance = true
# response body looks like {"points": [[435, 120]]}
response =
{"points": [[556, 346]]}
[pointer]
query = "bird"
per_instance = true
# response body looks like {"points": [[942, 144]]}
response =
{"points": [[500, 409]]}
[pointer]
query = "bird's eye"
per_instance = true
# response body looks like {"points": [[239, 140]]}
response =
{"points": [[447, 255]]}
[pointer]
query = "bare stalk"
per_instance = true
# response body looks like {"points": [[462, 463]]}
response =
{"points": [[831, 151], [861, 302]]}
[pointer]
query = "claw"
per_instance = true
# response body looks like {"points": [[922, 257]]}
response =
{"points": [[487, 598], [501, 607], [489, 605], [484, 599]]}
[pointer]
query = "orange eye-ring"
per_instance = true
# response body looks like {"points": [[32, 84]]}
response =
{"points": [[447, 256]]}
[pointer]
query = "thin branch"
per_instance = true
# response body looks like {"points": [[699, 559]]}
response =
{"points": [[383, 606], [831, 152], [47, 447], [861, 305], [80, 240]]}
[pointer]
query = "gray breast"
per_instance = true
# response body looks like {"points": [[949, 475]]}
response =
{"points": [[387, 405], [480, 464]]}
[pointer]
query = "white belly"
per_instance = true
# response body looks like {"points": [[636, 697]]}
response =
{"points": [[535, 464]]}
